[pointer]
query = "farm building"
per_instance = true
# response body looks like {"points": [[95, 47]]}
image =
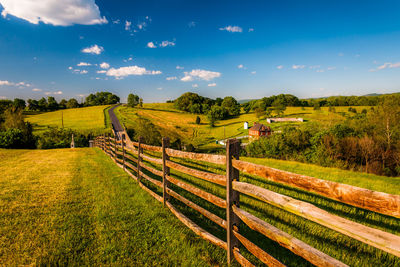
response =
{"points": [[258, 130], [271, 120]]}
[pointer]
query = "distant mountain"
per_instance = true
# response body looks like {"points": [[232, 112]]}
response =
{"points": [[245, 101]]}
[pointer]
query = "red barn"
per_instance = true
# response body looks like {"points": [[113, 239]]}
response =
{"points": [[258, 130]]}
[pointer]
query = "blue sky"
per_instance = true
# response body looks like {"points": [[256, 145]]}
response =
{"points": [[160, 49]]}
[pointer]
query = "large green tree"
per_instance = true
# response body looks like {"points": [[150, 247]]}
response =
{"points": [[133, 100]]}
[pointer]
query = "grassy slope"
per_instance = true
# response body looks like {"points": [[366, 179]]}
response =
{"points": [[75, 207], [171, 120], [84, 119], [350, 251]]}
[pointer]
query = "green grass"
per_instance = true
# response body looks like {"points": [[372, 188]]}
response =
{"points": [[82, 119], [339, 246], [172, 122], [76, 207]]}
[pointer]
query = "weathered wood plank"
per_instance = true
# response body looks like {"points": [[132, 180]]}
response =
{"points": [[211, 177], [148, 190], [367, 199], [148, 178], [151, 148], [221, 222], [382, 240], [258, 252], [152, 170], [131, 158], [198, 192], [242, 260], [217, 159], [151, 159], [131, 166], [295, 245], [195, 228]]}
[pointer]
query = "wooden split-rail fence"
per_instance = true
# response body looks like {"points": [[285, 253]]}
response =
{"points": [[121, 152]]}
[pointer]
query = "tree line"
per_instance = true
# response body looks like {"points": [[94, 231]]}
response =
{"points": [[368, 141], [51, 104], [215, 109]]}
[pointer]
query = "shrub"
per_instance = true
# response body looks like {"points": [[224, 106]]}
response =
{"points": [[198, 120]]}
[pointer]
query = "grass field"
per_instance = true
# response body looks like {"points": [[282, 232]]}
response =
{"points": [[339, 246], [82, 119], [175, 122], [76, 207]]}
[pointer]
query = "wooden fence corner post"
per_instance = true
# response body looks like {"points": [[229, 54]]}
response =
{"points": [[165, 157], [232, 196], [123, 150], [140, 151], [115, 148]]}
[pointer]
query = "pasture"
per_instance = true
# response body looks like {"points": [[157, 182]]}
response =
{"points": [[173, 122], [83, 119], [76, 207]]}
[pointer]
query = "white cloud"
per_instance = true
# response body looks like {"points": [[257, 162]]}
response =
{"points": [[117, 21], [70, 68], [195, 85], [104, 65], [131, 70], [200, 75], [171, 78], [128, 25], [331, 68], [3, 97], [279, 67], [142, 25], [240, 66], [167, 43], [19, 84], [159, 88], [212, 85], [340, 54], [162, 44], [151, 45], [251, 30], [320, 71], [101, 71], [387, 65], [296, 67], [6, 83], [23, 84], [314, 67], [36, 90], [83, 72], [83, 64], [179, 67], [94, 49], [253, 72], [55, 12], [192, 24], [231, 29], [54, 93]]}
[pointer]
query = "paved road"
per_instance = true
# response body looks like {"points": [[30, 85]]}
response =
{"points": [[114, 120]]}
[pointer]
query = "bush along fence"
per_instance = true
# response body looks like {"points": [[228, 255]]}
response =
{"points": [[152, 166]]}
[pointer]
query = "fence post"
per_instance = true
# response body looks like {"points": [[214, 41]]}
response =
{"points": [[140, 151], [232, 196], [115, 148], [123, 150], [165, 157]]}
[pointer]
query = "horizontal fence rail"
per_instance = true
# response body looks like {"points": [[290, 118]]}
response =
{"points": [[151, 167]]}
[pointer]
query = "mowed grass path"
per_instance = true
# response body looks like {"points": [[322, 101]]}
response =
{"points": [[86, 119], [76, 207]]}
